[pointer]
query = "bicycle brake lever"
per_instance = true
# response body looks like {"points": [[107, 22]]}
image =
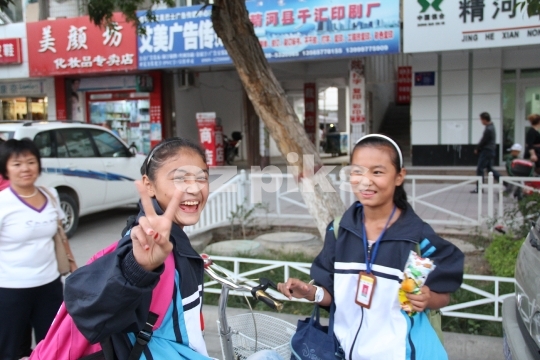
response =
{"points": [[267, 282]]}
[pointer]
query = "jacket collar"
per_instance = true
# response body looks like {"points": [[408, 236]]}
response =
{"points": [[407, 227]]}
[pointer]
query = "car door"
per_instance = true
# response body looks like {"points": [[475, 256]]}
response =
{"points": [[121, 166], [82, 167], [51, 175]]}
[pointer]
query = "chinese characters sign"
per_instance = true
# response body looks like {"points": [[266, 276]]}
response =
{"points": [[404, 85], [10, 51], [293, 30], [74, 46], [311, 99], [357, 86], [466, 24], [211, 138]]}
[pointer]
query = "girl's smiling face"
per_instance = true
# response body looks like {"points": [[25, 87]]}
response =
{"points": [[374, 176], [187, 172]]}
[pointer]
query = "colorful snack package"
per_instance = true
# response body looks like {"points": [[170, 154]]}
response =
{"points": [[415, 274]]}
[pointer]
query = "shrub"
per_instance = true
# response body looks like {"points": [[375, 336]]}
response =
{"points": [[502, 254]]}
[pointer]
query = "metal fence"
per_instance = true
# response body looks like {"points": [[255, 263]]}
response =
{"points": [[231, 266], [438, 200]]}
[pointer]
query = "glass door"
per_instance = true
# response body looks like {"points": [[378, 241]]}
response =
{"points": [[529, 103]]}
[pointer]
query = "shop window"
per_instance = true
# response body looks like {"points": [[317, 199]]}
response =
{"points": [[509, 113], [35, 108], [509, 75], [78, 143], [108, 145], [530, 73], [44, 144], [13, 13]]}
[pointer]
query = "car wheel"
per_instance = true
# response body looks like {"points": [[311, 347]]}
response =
{"points": [[71, 212]]}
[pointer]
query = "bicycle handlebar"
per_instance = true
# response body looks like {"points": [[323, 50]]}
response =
{"points": [[258, 292]]}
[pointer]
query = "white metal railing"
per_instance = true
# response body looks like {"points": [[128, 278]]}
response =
{"points": [[442, 200], [221, 202], [494, 298]]}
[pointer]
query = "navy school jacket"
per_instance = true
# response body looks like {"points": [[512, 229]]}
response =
{"points": [[112, 295], [384, 331]]}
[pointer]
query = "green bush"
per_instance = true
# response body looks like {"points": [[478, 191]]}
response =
{"points": [[502, 254]]}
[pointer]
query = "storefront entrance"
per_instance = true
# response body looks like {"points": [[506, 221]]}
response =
{"points": [[521, 97], [126, 113]]}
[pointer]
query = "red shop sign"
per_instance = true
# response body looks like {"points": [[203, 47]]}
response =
{"points": [[10, 51], [404, 85], [76, 46]]}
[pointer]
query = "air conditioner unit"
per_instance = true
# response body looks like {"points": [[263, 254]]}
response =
{"points": [[186, 79]]}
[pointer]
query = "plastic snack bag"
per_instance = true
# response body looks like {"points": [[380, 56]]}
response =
{"points": [[415, 274]]}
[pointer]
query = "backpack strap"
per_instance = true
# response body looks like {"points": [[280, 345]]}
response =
{"points": [[337, 220], [143, 337]]}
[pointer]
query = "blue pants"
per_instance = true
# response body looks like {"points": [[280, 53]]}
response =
{"points": [[485, 161]]}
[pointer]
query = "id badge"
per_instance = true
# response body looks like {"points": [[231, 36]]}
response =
{"points": [[366, 287]]}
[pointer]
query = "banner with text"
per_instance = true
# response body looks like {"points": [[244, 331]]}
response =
{"points": [[468, 24], [287, 30], [76, 46]]}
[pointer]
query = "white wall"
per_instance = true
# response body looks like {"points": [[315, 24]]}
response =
{"points": [[17, 30], [521, 57], [424, 108], [219, 92], [68, 9], [454, 98]]}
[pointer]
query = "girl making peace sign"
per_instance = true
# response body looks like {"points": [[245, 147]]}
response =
{"points": [[376, 235]]}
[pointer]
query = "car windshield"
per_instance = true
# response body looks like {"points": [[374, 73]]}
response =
{"points": [[6, 135]]}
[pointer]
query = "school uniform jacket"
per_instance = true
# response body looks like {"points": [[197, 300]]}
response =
{"points": [[112, 295], [384, 332]]}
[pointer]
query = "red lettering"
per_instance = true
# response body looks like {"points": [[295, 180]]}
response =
{"points": [[319, 14], [275, 42], [303, 14], [337, 12], [325, 39], [291, 42], [263, 43], [371, 6], [339, 38], [272, 18], [310, 40], [355, 11], [287, 17], [256, 19]]}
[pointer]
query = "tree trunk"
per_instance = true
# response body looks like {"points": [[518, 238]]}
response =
{"points": [[231, 23]]}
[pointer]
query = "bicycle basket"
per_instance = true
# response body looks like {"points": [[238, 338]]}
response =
{"points": [[272, 334]]}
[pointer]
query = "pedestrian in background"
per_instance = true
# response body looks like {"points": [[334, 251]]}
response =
{"points": [[486, 149], [30, 287], [532, 141]]}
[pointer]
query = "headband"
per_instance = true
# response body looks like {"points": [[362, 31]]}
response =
{"points": [[387, 139]]}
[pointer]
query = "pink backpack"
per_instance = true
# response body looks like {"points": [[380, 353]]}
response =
{"points": [[64, 341]]}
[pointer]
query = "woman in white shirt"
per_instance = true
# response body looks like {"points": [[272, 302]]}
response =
{"points": [[30, 287]]}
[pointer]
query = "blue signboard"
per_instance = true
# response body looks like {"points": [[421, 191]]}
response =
{"points": [[287, 30], [426, 78]]}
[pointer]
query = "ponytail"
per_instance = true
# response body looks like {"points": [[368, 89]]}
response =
{"points": [[400, 197]]}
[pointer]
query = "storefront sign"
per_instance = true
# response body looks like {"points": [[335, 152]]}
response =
{"points": [[404, 85], [76, 46], [357, 86], [310, 110], [426, 78], [211, 138], [20, 88], [10, 51], [296, 30], [468, 24]]}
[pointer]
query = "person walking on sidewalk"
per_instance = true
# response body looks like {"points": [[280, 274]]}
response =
{"points": [[486, 149]]}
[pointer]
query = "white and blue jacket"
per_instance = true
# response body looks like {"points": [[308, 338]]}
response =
{"points": [[384, 332]]}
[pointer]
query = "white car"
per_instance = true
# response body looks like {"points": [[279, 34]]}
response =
{"points": [[92, 169]]}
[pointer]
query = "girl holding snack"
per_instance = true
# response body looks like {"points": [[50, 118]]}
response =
{"points": [[362, 270]]}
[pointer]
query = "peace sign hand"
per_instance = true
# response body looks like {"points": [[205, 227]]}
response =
{"points": [[150, 238]]}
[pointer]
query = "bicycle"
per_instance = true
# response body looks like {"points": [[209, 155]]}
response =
{"points": [[245, 334]]}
